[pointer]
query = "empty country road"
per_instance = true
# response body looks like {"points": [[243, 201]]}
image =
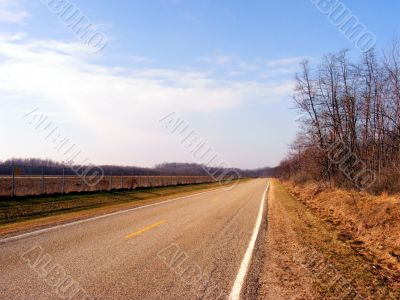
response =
{"points": [[189, 248]]}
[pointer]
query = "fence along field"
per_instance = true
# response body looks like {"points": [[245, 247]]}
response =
{"points": [[17, 184]]}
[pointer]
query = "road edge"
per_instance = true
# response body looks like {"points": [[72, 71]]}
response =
{"points": [[239, 282]]}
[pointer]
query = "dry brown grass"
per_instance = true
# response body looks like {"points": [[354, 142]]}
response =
{"points": [[370, 224], [307, 258]]}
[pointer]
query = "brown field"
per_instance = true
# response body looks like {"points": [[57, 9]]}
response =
{"points": [[36, 185]]}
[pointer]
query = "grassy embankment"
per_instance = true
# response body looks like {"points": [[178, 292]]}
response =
{"points": [[26, 213], [355, 233]]}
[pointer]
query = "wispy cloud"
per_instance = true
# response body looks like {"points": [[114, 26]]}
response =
{"points": [[257, 67], [11, 12], [62, 73], [115, 105], [286, 62], [220, 60]]}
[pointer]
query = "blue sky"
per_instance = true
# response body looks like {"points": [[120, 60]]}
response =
{"points": [[227, 67]]}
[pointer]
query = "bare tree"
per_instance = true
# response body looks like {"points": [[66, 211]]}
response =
{"points": [[357, 104]]}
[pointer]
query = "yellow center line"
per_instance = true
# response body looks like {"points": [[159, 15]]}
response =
{"points": [[129, 236]]}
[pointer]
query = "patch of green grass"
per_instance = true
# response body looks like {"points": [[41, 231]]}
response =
{"points": [[16, 209]]}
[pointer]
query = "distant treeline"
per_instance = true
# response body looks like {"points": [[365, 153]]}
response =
{"points": [[49, 167]]}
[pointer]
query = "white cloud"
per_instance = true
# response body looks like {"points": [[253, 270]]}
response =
{"points": [[220, 60], [115, 106], [263, 69], [61, 73], [285, 62], [11, 12]]}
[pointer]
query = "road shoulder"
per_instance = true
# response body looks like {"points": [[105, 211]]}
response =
{"points": [[305, 259]]}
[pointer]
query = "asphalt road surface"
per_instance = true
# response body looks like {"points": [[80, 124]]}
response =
{"points": [[189, 248]]}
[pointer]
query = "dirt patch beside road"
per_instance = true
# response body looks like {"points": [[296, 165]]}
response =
{"points": [[307, 259]]}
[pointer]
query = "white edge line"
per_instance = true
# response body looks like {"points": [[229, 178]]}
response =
{"points": [[36, 232], [238, 284]]}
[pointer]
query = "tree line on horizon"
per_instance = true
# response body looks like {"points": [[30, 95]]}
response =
{"points": [[33, 166], [352, 108]]}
